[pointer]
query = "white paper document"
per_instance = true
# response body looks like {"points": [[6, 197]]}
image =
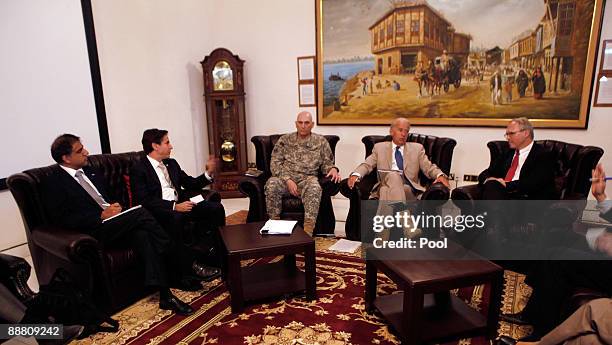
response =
{"points": [[345, 246], [123, 212], [278, 227], [197, 199]]}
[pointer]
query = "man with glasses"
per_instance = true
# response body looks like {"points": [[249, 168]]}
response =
{"points": [[525, 172]]}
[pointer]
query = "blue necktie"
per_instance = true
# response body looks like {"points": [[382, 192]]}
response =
{"points": [[399, 159]]}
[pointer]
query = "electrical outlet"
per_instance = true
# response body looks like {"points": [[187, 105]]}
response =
{"points": [[470, 178]]}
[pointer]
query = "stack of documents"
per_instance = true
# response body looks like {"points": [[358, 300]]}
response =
{"points": [[278, 227], [345, 246]]}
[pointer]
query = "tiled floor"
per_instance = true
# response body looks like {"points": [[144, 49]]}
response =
{"points": [[340, 203]]}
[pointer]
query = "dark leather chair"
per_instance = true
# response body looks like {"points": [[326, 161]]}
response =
{"points": [[113, 275], [14, 275], [438, 150], [253, 187], [575, 163]]}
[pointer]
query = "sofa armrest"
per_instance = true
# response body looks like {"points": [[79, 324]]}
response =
{"points": [[211, 195], [470, 192], [328, 186], [66, 244], [346, 191], [464, 197], [14, 274], [253, 187], [436, 191]]}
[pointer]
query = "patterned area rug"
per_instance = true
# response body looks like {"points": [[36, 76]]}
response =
{"points": [[337, 317]]}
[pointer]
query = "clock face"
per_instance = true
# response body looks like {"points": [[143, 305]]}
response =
{"points": [[223, 76]]}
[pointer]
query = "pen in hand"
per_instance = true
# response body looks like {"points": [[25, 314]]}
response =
{"points": [[599, 179]]}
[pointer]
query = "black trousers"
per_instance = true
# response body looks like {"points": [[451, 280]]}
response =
{"points": [[553, 283], [187, 230], [146, 236]]}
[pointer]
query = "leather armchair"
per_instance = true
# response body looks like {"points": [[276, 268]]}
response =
{"points": [[438, 150], [575, 163], [113, 275], [253, 187]]}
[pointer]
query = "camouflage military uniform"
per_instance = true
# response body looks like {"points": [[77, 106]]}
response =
{"points": [[300, 160]]}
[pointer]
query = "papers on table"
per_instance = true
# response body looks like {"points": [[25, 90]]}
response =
{"points": [[119, 214], [345, 246], [197, 199], [278, 227]]}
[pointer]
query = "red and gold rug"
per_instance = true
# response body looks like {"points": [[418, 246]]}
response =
{"points": [[337, 317]]}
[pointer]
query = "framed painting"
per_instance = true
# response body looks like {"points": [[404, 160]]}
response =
{"points": [[456, 63]]}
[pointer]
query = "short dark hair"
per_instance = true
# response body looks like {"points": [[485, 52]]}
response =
{"points": [[151, 136], [62, 146]]}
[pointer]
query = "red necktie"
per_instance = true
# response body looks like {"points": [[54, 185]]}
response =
{"points": [[513, 166]]}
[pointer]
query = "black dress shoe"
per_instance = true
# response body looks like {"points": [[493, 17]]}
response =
{"points": [[517, 319], [176, 305], [505, 340], [205, 273]]}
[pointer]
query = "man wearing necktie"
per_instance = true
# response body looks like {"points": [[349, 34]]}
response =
{"points": [[161, 186], [402, 162], [76, 197], [526, 171]]}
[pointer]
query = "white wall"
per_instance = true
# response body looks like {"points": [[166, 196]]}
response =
{"points": [[150, 53], [286, 30], [45, 91], [149, 58]]}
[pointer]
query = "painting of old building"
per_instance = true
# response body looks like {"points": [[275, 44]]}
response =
{"points": [[466, 62]]}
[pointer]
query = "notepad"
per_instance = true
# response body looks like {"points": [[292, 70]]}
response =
{"points": [[123, 212], [278, 227], [345, 246], [197, 199]]}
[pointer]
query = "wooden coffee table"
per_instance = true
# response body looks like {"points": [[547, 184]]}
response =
{"points": [[257, 282], [426, 311]]}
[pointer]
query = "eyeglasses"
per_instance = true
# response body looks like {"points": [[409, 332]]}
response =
{"points": [[509, 134]]}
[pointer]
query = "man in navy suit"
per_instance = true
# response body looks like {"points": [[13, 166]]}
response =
{"points": [[161, 186], [76, 197]]}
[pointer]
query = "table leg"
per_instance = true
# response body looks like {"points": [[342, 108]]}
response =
{"points": [[413, 311], [234, 280], [370, 288], [289, 261], [310, 267], [495, 304]]}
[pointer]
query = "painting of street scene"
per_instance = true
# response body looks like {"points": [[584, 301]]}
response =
{"points": [[459, 62]]}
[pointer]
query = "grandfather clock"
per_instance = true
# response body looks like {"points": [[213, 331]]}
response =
{"points": [[224, 98]]}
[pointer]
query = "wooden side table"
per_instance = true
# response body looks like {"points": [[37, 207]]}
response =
{"points": [[257, 282], [426, 311]]}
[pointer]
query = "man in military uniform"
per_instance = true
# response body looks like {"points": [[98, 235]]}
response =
{"points": [[297, 159]]}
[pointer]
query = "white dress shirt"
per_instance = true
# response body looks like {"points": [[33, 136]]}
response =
{"points": [[72, 172], [168, 192], [523, 153]]}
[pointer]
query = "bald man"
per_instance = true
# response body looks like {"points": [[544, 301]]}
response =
{"points": [[297, 160], [401, 156]]}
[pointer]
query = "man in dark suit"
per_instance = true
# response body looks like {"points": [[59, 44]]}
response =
{"points": [[161, 186], [77, 198], [526, 172], [553, 281]]}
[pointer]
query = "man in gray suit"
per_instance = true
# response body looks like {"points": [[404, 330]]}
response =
{"points": [[399, 163]]}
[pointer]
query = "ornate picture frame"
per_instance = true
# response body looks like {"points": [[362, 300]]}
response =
{"points": [[439, 63]]}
